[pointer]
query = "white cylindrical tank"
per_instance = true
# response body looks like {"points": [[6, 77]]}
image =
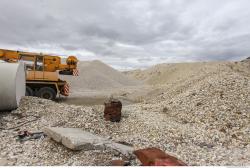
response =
{"points": [[12, 85]]}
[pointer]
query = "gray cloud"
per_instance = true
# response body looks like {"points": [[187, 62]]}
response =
{"points": [[126, 33]]}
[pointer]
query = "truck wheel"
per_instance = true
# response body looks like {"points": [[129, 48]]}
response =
{"points": [[47, 93], [29, 91]]}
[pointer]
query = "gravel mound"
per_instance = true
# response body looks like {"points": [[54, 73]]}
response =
{"points": [[169, 73], [95, 75], [207, 116], [203, 119], [37, 114]]}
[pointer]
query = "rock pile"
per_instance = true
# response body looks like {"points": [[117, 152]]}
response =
{"points": [[203, 120], [209, 115], [95, 75]]}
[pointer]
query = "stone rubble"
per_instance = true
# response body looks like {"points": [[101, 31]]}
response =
{"points": [[203, 120]]}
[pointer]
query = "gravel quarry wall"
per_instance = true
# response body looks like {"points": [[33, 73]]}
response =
{"points": [[203, 120]]}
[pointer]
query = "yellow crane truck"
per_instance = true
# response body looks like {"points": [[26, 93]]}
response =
{"points": [[42, 72]]}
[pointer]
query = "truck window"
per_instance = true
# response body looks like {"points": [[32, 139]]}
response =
{"points": [[39, 63], [28, 61]]}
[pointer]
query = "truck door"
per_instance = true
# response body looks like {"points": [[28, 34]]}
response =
{"points": [[39, 68], [29, 62]]}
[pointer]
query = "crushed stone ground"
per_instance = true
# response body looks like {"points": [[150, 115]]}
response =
{"points": [[203, 120]]}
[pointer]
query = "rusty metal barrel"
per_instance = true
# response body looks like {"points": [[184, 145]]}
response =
{"points": [[112, 111]]}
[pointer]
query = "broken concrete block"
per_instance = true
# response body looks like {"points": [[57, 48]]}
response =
{"points": [[77, 139], [53, 134], [123, 149]]}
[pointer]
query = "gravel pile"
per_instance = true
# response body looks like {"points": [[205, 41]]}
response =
{"points": [[38, 113], [95, 75], [203, 120], [211, 113], [169, 73]]}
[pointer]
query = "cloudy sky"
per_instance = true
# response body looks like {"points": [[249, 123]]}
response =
{"points": [[129, 33]]}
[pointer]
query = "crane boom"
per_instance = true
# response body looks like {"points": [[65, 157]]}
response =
{"points": [[51, 63]]}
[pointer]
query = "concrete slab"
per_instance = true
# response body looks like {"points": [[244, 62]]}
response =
{"points": [[13, 85], [123, 149], [77, 139]]}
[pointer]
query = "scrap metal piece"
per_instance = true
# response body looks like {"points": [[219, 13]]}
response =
{"points": [[156, 157], [25, 136]]}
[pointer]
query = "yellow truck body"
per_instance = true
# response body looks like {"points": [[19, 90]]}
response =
{"points": [[42, 77]]}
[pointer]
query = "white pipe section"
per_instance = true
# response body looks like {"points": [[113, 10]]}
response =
{"points": [[12, 85]]}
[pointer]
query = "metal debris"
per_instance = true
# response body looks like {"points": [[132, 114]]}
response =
{"points": [[25, 136], [156, 157]]}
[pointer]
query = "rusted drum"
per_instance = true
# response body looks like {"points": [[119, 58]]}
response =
{"points": [[112, 111]]}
